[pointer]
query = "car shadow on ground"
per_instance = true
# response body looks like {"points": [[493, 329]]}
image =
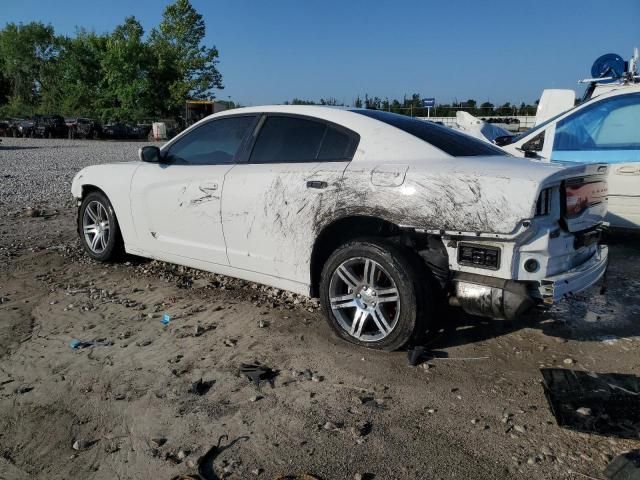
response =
{"points": [[461, 328]]}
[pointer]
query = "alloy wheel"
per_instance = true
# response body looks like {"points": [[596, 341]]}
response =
{"points": [[95, 226], [364, 299]]}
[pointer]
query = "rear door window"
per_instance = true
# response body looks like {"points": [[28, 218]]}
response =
{"points": [[287, 139], [335, 145]]}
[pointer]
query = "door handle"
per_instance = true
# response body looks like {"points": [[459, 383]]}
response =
{"points": [[209, 187], [627, 170], [316, 184]]}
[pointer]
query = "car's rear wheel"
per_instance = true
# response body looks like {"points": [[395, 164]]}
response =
{"points": [[374, 295], [99, 229]]}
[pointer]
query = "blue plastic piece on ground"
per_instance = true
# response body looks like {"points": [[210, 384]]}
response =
{"points": [[76, 344], [166, 318]]}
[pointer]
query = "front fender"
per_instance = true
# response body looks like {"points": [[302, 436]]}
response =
{"points": [[114, 180]]}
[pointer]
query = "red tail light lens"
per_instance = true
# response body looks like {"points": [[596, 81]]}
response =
{"points": [[580, 196]]}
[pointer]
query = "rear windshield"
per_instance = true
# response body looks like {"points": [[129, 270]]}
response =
{"points": [[446, 139]]}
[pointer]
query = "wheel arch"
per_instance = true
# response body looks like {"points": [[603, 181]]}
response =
{"points": [[429, 248], [120, 209], [87, 188]]}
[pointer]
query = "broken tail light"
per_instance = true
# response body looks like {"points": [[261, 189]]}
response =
{"points": [[479, 256], [581, 194]]}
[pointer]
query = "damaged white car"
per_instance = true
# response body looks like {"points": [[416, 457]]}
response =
{"points": [[382, 216]]}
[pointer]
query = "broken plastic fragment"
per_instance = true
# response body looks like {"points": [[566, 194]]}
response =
{"points": [[258, 373], [166, 318], [624, 467], [416, 354], [76, 344], [603, 403]]}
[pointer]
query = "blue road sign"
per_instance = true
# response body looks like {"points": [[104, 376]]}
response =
{"points": [[428, 102]]}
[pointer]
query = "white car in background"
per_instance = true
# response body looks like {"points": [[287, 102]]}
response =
{"points": [[382, 216], [604, 128]]}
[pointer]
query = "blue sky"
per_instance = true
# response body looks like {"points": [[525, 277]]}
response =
{"points": [[272, 51]]}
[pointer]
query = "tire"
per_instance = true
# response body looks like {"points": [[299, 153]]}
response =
{"points": [[96, 210], [397, 297]]}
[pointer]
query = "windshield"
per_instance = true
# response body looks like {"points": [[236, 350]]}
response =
{"points": [[450, 141]]}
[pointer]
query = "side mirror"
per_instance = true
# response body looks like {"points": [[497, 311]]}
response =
{"points": [[150, 153]]}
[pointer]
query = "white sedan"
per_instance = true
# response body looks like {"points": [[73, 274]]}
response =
{"points": [[382, 216]]}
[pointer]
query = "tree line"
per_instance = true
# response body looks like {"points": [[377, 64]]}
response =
{"points": [[412, 105], [120, 75]]}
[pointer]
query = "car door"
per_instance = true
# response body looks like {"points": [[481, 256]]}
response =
{"points": [[607, 131], [272, 203], [176, 203]]}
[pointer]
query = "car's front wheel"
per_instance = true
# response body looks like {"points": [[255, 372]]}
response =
{"points": [[375, 295], [98, 228]]}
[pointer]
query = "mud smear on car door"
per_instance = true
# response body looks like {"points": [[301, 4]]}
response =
{"points": [[205, 195], [603, 403]]}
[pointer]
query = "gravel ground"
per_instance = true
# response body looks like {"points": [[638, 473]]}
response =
{"points": [[38, 172], [149, 400]]}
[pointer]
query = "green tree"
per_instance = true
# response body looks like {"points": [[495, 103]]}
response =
{"points": [[126, 89], [71, 84], [25, 50], [486, 108], [185, 67], [301, 101]]}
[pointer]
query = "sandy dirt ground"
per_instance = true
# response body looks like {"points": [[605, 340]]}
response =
{"points": [[149, 400]]}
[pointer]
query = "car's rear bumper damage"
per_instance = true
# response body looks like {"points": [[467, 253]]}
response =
{"points": [[575, 280], [506, 299]]}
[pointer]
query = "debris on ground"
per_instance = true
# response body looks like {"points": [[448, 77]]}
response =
{"points": [[257, 374], [83, 444], [166, 318], [584, 411], [624, 467], [201, 387], [417, 354], [76, 344], [33, 212], [602, 403], [23, 389], [205, 462], [302, 476], [608, 339], [158, 442]]}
